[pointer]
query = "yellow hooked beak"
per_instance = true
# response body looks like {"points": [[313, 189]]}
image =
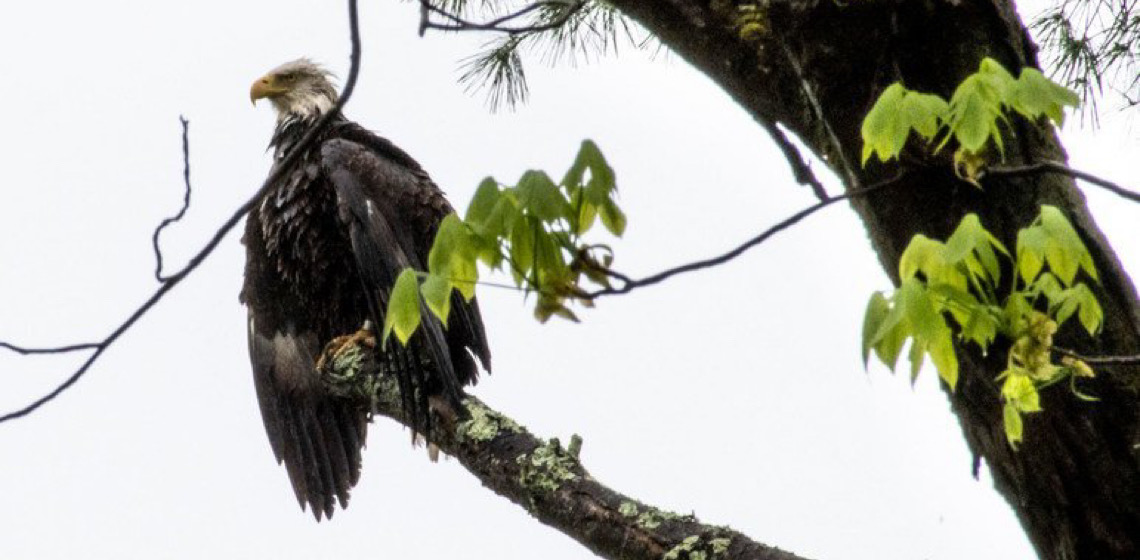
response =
{"points": [[265, 86]]}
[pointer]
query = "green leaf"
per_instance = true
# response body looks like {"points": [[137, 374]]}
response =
{"points": [[997, 77], [890, 345], [891, 334], [1011, 420], [924, 320], [977, 105], [498, 222], [1048, 286], [436, 291], [884, 129], [541, 197], [483, 203], [1091, 315], [981, 327], [877, 308], [1067, 306], [587, 213], [449, 240], [974, 110], [612, 217], [403, 315], [1020, 391], [1064, 250], [602, 183], [972, 244], [590, 159], [453, 255], [1036, 95], [522, 247], [1031, 243], [488, 251], [572, 180], [548, 258], [916, 356], [548, 306], [924, 113], [941, 350], [922, 254], [1016, 308]]}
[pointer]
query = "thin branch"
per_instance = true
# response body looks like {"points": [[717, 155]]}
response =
{"points": [[630, 285], [1125, 360], [176, 278], [1057, 167], [545, 478], [499, 24], [185, 201], [56, 350], [800, 169]]}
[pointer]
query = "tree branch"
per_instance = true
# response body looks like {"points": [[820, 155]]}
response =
{"points": [[1126, 360], [549, 481], [173, 280], [55, 350], [1057, 167], [630, 284], [800, 169], [569, 8], [185, 202]]}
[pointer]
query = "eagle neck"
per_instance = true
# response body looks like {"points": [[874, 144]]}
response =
{"points": [[292, 127]]}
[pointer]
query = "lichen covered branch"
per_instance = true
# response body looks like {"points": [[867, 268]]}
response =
{"points": [[545, 478]]}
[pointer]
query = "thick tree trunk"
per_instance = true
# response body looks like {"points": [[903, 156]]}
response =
{"points": [[815, 68]]}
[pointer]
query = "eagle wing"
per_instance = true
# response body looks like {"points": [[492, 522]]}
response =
{"points": [[318, 437], [422, 205], [391, 211]]}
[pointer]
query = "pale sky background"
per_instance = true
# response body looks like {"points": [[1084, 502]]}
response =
{"points": [[736, 393]]}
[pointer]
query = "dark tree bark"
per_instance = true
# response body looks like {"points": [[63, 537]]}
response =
{"points": [[815, 67]]}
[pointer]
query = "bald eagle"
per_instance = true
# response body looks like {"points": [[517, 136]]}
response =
{"points": [[323, 248]]}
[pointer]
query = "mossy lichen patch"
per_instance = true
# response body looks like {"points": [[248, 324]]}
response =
{"points": [[546, 468], [483, 424], [695, 547]]}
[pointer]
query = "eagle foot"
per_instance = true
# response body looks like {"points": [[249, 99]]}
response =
{"points": [[341, 344]]}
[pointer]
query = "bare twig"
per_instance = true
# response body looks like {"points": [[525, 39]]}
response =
{"points": [[499, 24], [185, 201], [1124, 360], [800, 169], [176, 278], [55, 350], [629, 285], [1057, 167]]}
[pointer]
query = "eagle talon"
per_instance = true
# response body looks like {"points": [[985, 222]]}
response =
{"points": [[341, 344]]}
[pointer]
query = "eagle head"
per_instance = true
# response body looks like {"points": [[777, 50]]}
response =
{"points": [[298, 88]]}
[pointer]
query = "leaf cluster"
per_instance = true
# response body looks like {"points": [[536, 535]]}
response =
{"points": [[534, 230], [970, 117], [953, 291]]}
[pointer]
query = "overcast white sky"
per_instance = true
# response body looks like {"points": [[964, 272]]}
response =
{"points": [[736, 393]]}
